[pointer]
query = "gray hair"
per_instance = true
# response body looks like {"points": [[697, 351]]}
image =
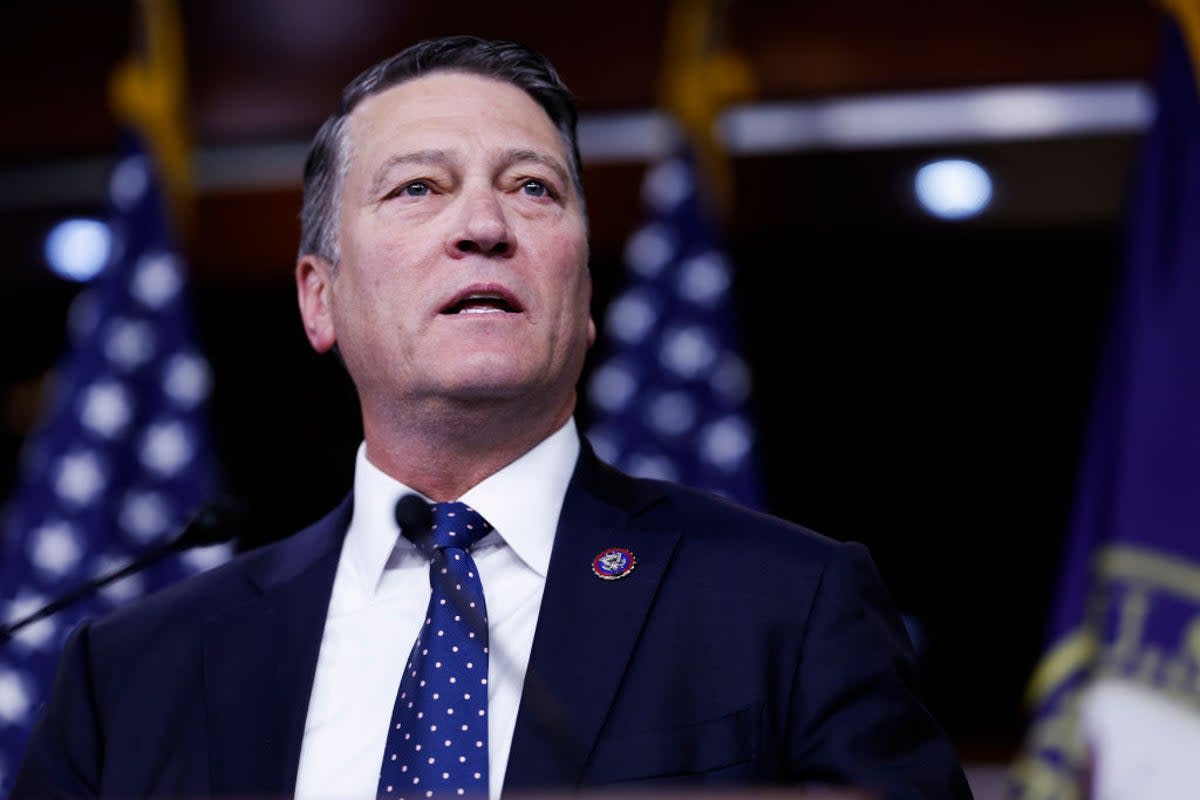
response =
{"points": [[329, 158]]}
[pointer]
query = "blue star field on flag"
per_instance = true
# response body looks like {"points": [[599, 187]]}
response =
{"points": [[122, 457], [669, 400]]}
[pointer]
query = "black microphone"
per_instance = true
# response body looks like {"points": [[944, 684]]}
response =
{"points": [[415, 518], [215, 522]]}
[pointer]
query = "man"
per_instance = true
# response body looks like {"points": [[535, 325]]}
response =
{"points": [[636, 634]]}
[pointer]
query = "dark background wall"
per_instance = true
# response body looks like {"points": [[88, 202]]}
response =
{"points": [[921, 387]]}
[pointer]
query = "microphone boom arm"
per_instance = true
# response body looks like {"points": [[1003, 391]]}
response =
{"points": [[208, 526]]}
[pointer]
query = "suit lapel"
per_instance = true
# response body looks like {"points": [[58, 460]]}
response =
{"points": [[587, 627], [260, 658]]}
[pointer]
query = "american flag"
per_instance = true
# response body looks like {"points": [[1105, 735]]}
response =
{"points": [[122, 457], [670, 397]]}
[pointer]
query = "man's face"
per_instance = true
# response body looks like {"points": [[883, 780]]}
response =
{"points": [[463, 251]]}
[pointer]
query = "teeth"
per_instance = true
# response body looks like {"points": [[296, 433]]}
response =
{"points": [[481, 303]]}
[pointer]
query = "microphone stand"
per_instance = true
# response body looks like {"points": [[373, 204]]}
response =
{"points": [[208, 526]]}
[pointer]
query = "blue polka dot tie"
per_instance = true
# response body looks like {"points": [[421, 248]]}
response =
{"points": [[437, 744]]}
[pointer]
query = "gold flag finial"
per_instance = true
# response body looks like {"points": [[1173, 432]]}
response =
{"points": [[701, 76], [1187, 15], [148, 91]]}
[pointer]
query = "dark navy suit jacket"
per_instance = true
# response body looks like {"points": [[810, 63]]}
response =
{"points": [[742, 650]]}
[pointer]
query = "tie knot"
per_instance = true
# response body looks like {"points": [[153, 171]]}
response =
{"points": [[457, 525]]}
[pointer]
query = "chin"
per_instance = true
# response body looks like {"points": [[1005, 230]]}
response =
{"points": [[488, 379]]}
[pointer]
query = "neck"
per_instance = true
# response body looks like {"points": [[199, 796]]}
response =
{"points": [[443, 456]]}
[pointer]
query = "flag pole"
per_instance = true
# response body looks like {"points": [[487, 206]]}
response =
{"points": [[701, 76], [148, 92], [1187, 16]]}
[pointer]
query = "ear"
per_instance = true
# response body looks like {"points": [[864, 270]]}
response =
{"points": [[314, 289], [591, 331]]}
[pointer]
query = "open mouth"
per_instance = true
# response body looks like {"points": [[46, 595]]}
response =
{"points": [[483, 303]]}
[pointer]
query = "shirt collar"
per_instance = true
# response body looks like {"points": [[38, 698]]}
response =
{"points": [[522, 502]]}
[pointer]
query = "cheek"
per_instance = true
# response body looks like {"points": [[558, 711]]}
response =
{"points": [[387, 272], [572, 296], [578, 287], [568, 253]]}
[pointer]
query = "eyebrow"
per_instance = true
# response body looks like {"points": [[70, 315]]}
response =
{"points": [[519, 154], [441, 157], [380, 179]]}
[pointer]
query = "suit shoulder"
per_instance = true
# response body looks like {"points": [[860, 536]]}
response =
{"points": [[192, 600], [708, 519]]}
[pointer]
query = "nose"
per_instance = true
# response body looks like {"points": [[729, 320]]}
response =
{"points": [[481, 228]]}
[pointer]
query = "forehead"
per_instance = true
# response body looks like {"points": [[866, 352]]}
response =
{"points": [[450, 109]]}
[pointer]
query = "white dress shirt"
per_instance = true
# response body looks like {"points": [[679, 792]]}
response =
{"points": [[379, 598]]}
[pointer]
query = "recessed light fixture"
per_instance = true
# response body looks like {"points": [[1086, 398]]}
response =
{"points": [[953, 188]]}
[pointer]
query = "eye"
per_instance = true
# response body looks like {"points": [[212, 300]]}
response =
{"points": [[411, 189], [414, 189], [535, 188]]}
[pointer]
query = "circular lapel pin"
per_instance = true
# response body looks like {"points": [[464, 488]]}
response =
{"points": [[613, 563]]}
